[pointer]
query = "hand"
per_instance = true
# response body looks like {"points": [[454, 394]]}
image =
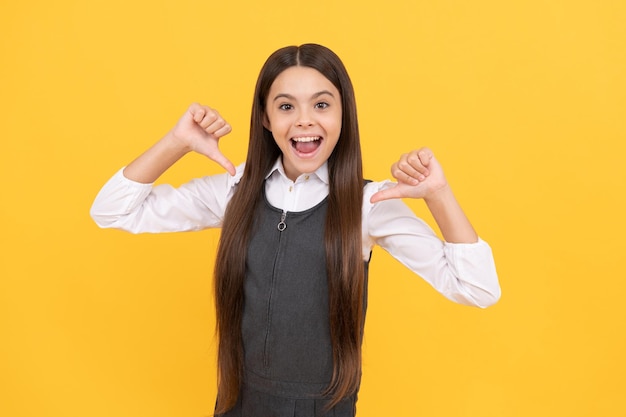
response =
{"points": [[419, 175], [200, 130]]}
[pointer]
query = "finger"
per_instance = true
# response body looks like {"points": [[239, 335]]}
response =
{"points": [[220, 159], [215, 126], [386, 194], [210, 117], [413, 159], [197, 112], [404, 172], [223, 131], [425, 155]]}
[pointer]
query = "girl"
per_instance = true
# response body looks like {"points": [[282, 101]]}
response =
{"points": [[298, 226]]}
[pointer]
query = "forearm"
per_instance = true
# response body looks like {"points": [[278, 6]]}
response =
{"points": [[151, 164], [454, 225]]}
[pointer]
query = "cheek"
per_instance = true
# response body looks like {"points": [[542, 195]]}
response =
{"points": [[337, 126], [279, 140], [339, 120], [279, 125]]}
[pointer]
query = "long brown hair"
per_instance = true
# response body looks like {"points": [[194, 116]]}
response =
{"points": [[344, 260]]}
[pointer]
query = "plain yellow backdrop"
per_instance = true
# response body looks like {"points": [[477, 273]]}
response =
{"points": [[524, 102]]}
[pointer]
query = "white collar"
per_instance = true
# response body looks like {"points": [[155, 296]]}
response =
{"points": [[321, 172]]}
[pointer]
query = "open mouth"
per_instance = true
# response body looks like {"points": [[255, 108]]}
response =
{"points": [[306, 144]]}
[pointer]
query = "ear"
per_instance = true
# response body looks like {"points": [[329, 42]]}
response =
{"points": [[266, 122]]}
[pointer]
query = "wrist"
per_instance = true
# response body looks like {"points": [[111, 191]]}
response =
{"points": [[176, 145], [440, 196], [454, 225]]}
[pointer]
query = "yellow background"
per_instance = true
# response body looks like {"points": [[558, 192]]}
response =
{"points": [[523, 102]]}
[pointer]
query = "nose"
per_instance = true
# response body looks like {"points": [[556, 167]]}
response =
{"points": [[304, 119]]}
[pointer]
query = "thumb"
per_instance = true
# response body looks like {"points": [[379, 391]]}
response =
{"points": [[386, 194], [226, 164], [219, 158]]}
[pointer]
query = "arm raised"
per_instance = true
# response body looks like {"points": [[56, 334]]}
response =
{"points": [[420, 175], [199, 130]]}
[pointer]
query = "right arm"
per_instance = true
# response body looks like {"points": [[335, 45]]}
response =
{"points": [[198, 130], [128, 201]]}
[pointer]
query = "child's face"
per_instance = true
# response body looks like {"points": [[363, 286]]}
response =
{"points": [[304, 115]]}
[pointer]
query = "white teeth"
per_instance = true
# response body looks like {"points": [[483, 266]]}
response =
{"points": [[306, 139]]}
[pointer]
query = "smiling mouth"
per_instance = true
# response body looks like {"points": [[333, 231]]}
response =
{"points": [[306, 144]]}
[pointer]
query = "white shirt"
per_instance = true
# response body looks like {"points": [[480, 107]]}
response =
{"points": [[463, 272]]}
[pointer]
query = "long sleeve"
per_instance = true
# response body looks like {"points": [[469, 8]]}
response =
{"points": [[145, 208], [462, 272]]}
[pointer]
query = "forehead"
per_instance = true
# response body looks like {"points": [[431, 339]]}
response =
{"points": [[299, 81]]}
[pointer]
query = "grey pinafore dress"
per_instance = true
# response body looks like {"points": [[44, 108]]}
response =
{"points": [[287, 348]]}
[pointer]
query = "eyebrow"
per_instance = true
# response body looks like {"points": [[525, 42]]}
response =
{"points": [[314, 96]]}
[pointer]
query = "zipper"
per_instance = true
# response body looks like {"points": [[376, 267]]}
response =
{"points": [[281, 226]]}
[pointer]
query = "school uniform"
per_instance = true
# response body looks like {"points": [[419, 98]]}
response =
{"points": [[288, 359], [285, 325]]}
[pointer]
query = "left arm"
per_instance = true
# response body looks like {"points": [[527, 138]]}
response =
{"points": [[461, 268]]}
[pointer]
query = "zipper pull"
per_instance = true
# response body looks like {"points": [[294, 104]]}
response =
{"points": [[282, 225]]}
